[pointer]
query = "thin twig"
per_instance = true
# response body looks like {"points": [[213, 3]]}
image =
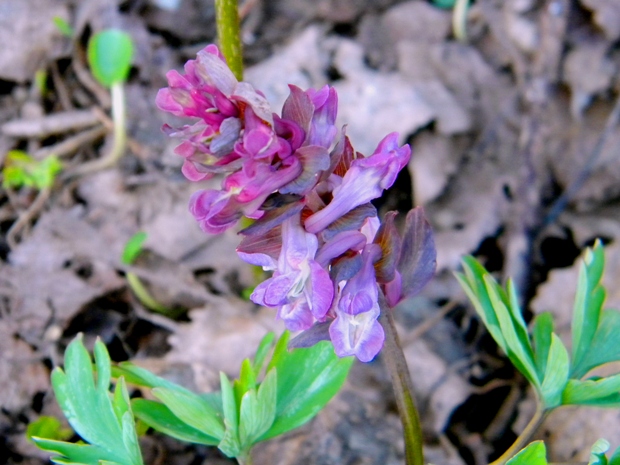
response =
{"points": [[27, 216], [428, 323], [120, 137], [56, 123], [71, 144], [562, 202], [87, 80]]}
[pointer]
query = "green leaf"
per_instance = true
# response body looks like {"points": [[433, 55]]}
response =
{"points": [[106, 424], [261, 353], [307, 379], [109, 56], [604, 347], [20, 169], [588, 302], [518, 350], [258, 410], [603, 392], [556, 374], [133, 248], [47, 427], [473, 284], [615, 458], [533, 454], [246, 380], [597, 453], [229, 444], [142, 377], [543, 327], [159, 417], [193, 410], [63, 26]]}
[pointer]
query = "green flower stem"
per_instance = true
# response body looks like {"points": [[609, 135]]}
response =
{"points": [[394, 359], [524, 437], [229, 34]]}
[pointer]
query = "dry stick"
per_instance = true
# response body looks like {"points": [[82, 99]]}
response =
{"points": [[120, 137], [428, 323], [394, 359], [561, 203], [26, 216], [87, 80], [56, 123], [71, 144]]}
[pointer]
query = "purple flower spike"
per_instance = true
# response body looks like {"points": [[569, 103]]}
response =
{"points": [[300, 286], [356, 331], [365, 180]]}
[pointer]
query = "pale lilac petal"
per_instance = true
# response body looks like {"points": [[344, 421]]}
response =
{"points": [[258, 259], [393, 290], [339, 244], [298, 108], [190, 171], [360, 294], [323, 128], [276, 292], [360, 335], [290, 132], [314, 159], [296, 316], [364, 181], [321, 291], [297, 245], [244, 92], [214, 71]]}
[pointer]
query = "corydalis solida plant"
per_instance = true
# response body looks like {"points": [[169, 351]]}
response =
{"points": [[315, 227]]}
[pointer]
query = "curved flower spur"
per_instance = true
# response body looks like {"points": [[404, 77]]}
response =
{"points": [[315, 228]]}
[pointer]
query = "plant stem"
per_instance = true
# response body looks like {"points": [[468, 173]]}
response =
{"points": [[229, 34], [523, 438], [396, 365]]}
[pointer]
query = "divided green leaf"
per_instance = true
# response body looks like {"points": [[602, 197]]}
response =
{"points": [[601, 392], [105, 423], [307, 380], [159, 417], [588, 305], [556, 373]]}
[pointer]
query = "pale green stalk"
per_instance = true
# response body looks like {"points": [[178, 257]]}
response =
{"points": [[229, 34]]}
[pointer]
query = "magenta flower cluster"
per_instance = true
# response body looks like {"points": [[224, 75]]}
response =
{"points": [[314, 227]]}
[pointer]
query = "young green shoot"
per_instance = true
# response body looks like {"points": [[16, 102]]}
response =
{"points": [[109, 56], [21, 170]]}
